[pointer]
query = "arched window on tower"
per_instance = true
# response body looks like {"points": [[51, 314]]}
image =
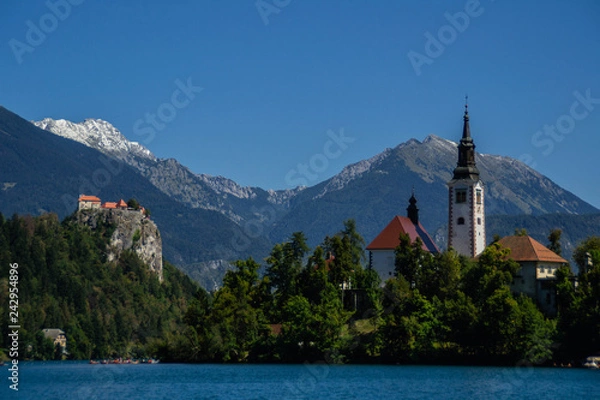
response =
{"points": [[461, 221]]}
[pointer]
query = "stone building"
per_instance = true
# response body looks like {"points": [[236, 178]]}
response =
{"points": [[537, 275], [88, 202], [58, 338]]}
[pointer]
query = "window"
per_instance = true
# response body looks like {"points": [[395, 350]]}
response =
{"points": [[461, 221], [461, 195], [478, 221], [478, 195]]}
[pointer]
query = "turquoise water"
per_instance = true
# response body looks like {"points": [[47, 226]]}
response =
{"points": [[76, 380]]}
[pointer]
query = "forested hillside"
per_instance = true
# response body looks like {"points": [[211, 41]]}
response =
{"points": [[107, 309]]}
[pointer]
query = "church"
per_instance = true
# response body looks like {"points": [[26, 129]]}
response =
{"points": [[466, 215], [381, 250], [466, 232]]}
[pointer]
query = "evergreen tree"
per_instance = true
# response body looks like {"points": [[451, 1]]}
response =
{"points": [[554, 239]]}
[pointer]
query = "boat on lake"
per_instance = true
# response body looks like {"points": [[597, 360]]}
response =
{"points": [[591, 362]]}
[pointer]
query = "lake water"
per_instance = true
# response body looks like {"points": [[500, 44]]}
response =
{"points": [[78, 380]]}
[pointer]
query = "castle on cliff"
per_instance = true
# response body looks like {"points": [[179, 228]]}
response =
{"points": [[133, 231], [86, 202]]}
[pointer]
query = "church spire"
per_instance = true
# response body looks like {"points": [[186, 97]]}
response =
{"points": [[466, 128], [412, 212], [466, 211], [465, 168]]}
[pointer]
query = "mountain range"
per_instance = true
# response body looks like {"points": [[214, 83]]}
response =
{"points": [[206, 220]]}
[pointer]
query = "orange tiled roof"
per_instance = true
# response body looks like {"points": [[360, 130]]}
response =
{"points": [[389, 238], [109, 205], [93, 199], [121, 203], [526, 248], [275, 329]]}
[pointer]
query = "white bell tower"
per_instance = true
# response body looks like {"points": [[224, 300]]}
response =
{"points": [[466, 211]]}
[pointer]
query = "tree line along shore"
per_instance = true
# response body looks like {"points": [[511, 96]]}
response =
{"points": [[297, 305]]}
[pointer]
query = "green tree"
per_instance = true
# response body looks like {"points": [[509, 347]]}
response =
{"points": [[591, 247], [494, 270], [314, 278], [439, 275], [579, 307], [284, 267], [521, 232], [460, 315], [412, 262], [133, 203], [312, 331], [554, 239], [346, 249], [412, 330], [235, 323], [535, 336]]}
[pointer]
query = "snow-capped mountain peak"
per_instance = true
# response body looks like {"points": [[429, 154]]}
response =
{"points": [[98, 134]]}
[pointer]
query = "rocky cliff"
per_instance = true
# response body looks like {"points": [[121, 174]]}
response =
{"points": [[132, 231]]}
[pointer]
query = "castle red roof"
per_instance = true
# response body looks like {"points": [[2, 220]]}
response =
{"points": [[109, 204], [93, 199], [122, 203], [389, 238], [526, 248]]}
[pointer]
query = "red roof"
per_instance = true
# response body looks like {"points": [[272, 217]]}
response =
{"points": [[121, 203], [109, 205], [275, 329], [526, 248], [93, 199], [389, 238]]}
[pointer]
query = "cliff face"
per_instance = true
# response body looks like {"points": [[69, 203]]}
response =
{"points": [[132, 232]]}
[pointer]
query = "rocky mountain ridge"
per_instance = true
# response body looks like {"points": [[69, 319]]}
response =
{"points": [[431, 160], [207, 221], [168, 175]]}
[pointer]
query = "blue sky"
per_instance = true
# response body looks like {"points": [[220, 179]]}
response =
{"points": [[269, 83]]}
